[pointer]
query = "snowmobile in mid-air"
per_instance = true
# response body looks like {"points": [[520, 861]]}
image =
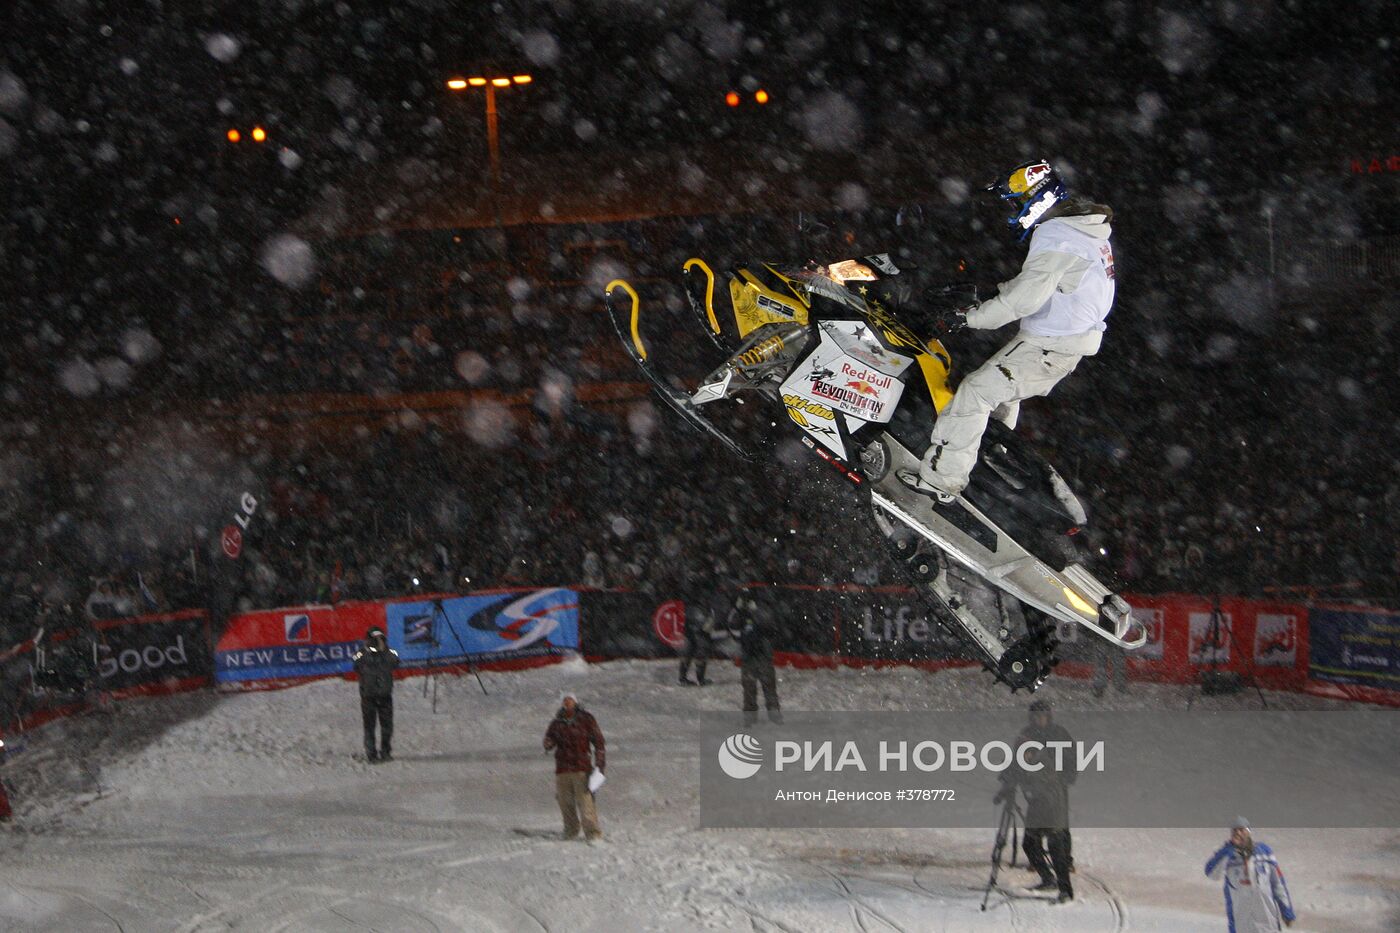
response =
{"points": [[1001, 565]]}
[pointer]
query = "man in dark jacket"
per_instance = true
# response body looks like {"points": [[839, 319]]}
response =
{"points": [[1047, 803], [756, 635], [701, 624], [375, 664], [569, 736]]}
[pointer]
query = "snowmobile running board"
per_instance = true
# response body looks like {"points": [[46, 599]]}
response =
{"points": [[1070, 595], [678, 401]]}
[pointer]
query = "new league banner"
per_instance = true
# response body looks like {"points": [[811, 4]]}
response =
{"points": [[297, 642], [316, 641]]}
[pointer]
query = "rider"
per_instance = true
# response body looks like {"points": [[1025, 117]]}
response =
{"points": [[1061, 296]]}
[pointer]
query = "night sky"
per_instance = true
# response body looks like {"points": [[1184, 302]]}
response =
{"points": [[1223, 135]]}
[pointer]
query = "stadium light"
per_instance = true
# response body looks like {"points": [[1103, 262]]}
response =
{"points": [[761, 96], [732, 98], [259, 134], [234, 136], [492, 134]]}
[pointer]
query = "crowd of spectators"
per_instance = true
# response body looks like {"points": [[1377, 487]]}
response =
{"points": [[1215, 459]]}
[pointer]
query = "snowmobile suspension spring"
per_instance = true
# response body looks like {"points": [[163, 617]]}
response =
{"points": [[762, 351]]}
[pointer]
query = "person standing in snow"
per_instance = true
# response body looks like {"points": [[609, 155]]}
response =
{"points": [[1256, 897], [569, 736], [1047, 804], [375, 663], [1061, 296], [756, 634], [700, 627]]}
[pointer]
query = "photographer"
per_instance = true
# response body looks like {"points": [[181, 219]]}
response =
{"points": [[753, 626], [1047, 804], [375, 664], [1256, 897], [701, 624]]}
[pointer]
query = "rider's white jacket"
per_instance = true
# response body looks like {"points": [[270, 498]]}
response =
{"points": [[1064, 290]]}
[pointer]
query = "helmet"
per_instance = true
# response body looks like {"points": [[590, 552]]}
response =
{"points": [[1032, 188]]}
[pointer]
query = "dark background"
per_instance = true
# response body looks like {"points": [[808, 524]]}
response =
{"points": [[1237, 432]]}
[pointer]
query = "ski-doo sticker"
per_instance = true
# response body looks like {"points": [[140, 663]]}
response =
{"points": [[808, 409]]}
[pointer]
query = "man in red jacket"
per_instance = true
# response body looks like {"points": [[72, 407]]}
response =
{"points": [[569, 736]]}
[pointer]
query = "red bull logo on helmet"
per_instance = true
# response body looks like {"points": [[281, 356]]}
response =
{"points": [[1027, 178]]}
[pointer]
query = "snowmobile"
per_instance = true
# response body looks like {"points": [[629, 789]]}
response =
{"points": [[1003, 564]]}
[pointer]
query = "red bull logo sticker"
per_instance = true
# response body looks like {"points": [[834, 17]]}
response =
{"points": [[872, 378], [863, 387]]}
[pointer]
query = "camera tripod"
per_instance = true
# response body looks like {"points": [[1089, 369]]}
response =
{"points": [[1213, 680], [1007, 827], [440, 613]]}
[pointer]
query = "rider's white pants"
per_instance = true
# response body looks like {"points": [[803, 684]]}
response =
{"points": [[1017, 371]]}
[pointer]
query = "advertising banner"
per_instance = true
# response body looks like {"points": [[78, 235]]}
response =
{"points": [[806, 618], [303, 641], [484, 626], [892, 624], [1154, 619], [1357, 647], [1276, 638], [1210, 638], [625, 624], [156, 653]]}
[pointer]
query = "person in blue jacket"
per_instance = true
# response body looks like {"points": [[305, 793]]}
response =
{"points": [[1256, 897]]}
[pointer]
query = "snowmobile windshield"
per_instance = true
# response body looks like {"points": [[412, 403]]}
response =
{"points": [[851, 270]]}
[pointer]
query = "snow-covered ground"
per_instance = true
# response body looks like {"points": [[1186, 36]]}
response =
{"points": [[249, 812]]}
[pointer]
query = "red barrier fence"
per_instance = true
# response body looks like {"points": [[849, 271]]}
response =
{"points": [[1347, 652]]}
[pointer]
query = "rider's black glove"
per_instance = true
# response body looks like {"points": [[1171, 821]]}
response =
{"points": [[950, 322]]}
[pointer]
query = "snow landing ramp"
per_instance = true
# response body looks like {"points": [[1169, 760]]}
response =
{"points": [[248, 811]]}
